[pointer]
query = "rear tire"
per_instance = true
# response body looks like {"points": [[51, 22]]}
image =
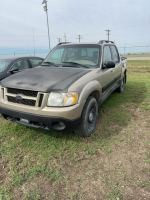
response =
{"points": [[88, 118], [121, 87]]}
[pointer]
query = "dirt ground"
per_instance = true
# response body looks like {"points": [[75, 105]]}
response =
{"points": [[123, 169], [119, 172], [126, 170]]}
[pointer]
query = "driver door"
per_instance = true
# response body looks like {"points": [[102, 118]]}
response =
{"points": [[116, 59], [107, 76]]}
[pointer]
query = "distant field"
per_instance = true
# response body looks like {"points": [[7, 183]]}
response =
{"points": [[139, 55], [138, 58], [138, 65], [113, 164]]}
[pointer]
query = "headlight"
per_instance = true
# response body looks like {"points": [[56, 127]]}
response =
{"points": [[62, 99]]}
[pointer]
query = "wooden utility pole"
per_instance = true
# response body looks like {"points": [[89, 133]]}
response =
{"points": [[124, 49], [33, 43], [65, 37], [108, 33], [45, 9], [59, 39], [80, 37]]}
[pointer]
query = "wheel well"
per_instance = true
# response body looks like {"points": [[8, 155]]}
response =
{"points": [[95, 94]]}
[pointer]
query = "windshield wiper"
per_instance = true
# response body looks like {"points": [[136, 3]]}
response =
{"points": [[51, 63], [77, 64]]}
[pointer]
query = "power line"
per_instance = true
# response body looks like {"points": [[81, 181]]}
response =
{"points": [[135, 46], [23, 35], [119, 29], [7, 35], [19, 39], [130, 35], [131, 26], [93, 33], [22, 53], [82, 34]]}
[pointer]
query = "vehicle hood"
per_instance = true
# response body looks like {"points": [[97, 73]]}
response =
{"points": [[2, 75], [45, 79]]}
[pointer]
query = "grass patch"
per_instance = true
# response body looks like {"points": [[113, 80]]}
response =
{"points": [[115, 194], [138, 65], [145, 185], [28, 154], [32, 196], [4, 193]]}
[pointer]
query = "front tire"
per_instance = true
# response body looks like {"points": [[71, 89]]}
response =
{"points": [[88, 118]]}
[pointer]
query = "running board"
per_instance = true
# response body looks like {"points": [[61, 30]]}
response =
{"points": [[109, 93]]}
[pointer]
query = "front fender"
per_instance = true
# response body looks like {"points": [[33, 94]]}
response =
{"points": [[88, 89]]}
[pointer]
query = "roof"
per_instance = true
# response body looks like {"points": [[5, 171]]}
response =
{"points": [[16, 58], [77, 43], [95, 43]]}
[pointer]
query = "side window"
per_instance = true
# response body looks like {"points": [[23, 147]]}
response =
{"points": [[35, 61], [114, 52], [106, 54], [21, 64]]}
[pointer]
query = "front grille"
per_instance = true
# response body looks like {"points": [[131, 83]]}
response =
{"points": [[41, 99], [24, 92], [28, 102]]}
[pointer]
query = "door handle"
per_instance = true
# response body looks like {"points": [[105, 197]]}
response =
{"points": [[112, 71]]}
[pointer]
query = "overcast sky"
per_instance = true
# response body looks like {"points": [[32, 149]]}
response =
{"points": [[128, 20]]}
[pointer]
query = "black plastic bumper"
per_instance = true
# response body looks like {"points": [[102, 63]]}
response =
{"points": [[39, 121]]}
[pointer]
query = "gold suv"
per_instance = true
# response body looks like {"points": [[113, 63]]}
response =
{"points": [[66, 91]]}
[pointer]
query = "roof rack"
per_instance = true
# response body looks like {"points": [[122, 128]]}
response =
{"points": [[105, 41], [63, 43]]}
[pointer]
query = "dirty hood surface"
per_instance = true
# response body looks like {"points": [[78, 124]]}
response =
{"points": [[45, 79]]}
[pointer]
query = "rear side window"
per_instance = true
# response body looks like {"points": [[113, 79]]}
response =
{"points": [[4, 64], [115, 56], [35, 61], [107, 54], [21, 64]]}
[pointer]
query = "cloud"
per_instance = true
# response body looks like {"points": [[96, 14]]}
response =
{"points": [[126, 20]]}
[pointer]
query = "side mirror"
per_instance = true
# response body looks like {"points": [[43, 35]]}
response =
{"points": [[109, 64], [13, 69], [40, 62], [123, 58]]}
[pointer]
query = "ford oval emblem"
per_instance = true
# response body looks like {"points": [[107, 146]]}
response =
{"points": [[18, 97]]}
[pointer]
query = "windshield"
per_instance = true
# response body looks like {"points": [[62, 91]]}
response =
{"points": [[87, 55], [4, 64]]}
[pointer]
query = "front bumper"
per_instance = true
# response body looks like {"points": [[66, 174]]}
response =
{"points": [[39, 121]]}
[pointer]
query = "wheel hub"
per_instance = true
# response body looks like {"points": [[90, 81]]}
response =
{"points": [[91, 117]]}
